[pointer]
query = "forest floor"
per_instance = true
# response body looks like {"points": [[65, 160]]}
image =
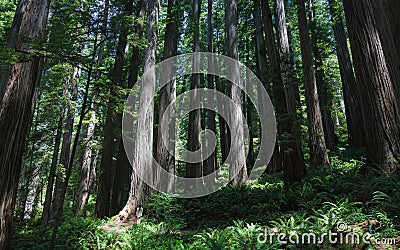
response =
{"points": [[334, 199]]}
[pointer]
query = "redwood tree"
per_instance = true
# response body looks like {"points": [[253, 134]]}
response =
{"points": [[142, 159], [236, 116], [375, 86], [17, 104], [318, 153]]}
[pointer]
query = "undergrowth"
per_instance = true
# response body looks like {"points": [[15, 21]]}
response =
{"points": [[331, 198]]}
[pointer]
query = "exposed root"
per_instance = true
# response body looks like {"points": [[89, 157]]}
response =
{"points": [[120, 224]]}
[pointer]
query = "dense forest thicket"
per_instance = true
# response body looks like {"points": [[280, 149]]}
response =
{"points": [[166, 124]]}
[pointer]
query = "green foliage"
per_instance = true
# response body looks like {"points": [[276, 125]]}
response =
{"points": [[233, 217]]}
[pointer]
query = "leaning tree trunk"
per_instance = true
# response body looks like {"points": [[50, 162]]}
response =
{"points": [[142, 160], [16, 107], [318, 153], [238, 161], [350, 93], [378, 102], [293, 161]]}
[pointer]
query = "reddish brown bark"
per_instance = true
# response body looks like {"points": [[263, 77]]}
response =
{"points": [[16, 107]]}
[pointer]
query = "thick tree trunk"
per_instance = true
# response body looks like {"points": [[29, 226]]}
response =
{"points": [[142, 160], [293, 162], [378, 103], [393, 11], [194, 170], [391, 52], [318, 153], [168, 96], [291, 89], [16, 107], [324, 93], [122, 179], [350, 93], [123, 171], [238, 163], [112, 131]]}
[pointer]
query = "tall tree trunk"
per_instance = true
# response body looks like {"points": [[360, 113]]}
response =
{"points": [[64, 184], [210, 164], [66, 137], [394, 10], [17, 104], [318, 153], [122, 175], [350, 93], [31, 173], [293, 162], [224, 131], [194, 170], [391, 52], [238, 162], [378, 103], [325, 94], [291, 90], [142, 160], [54, 163], [290, 83], [135, 59], [168, 96], [276, 161], [112, 130], [87, 171], [32, 190], [249, 111], [86, 175]]}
